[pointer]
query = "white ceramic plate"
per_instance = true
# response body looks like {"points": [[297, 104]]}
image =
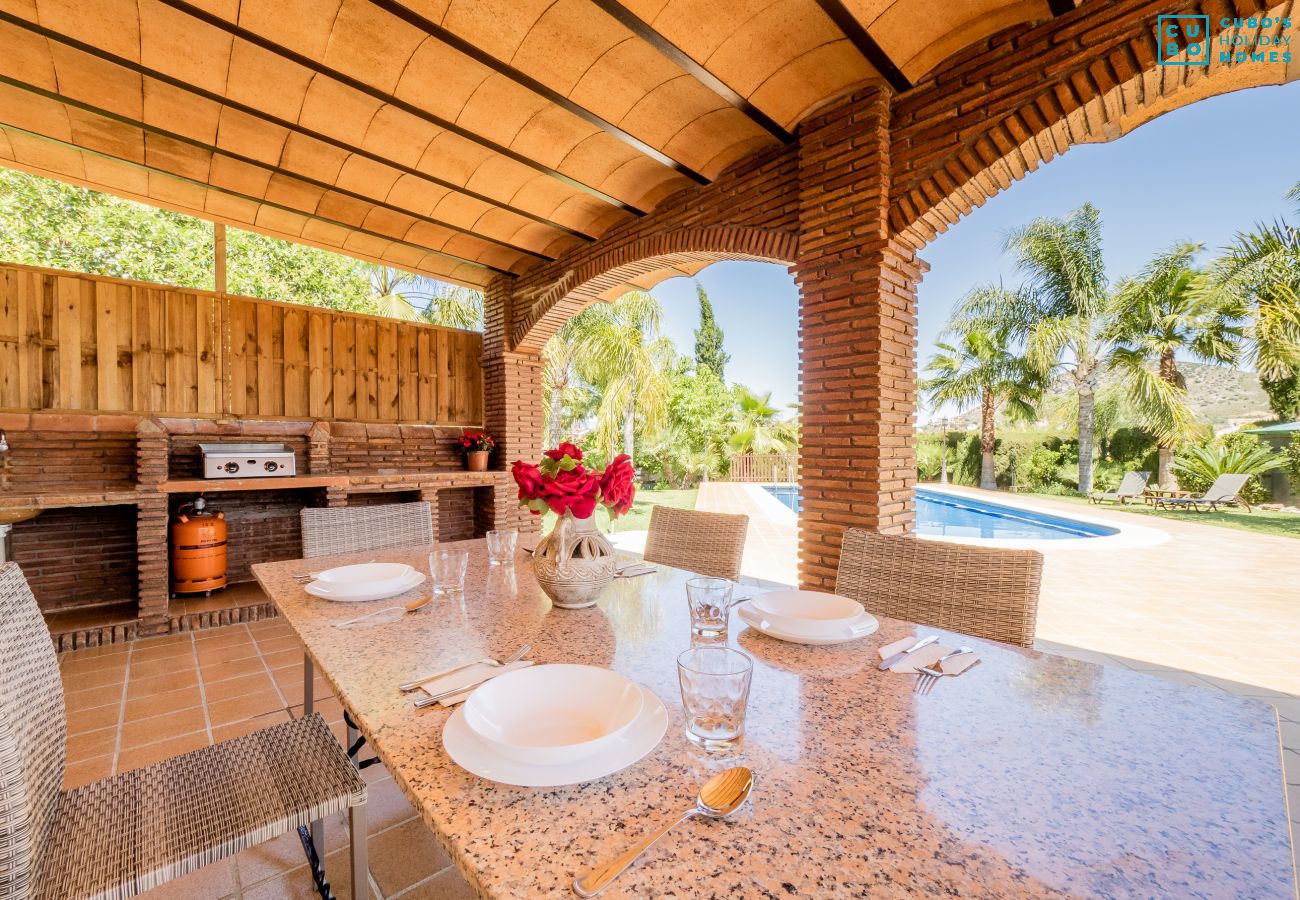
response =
{"points": [[865, 625], [363, 578], [553, 715], [477, 758], [809, 613], [327, 592]]}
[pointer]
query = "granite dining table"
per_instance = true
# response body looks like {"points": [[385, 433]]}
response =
{"points": [[1029, 775]]}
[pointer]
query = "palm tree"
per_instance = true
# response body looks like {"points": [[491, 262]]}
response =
{"points": [[559, 381], [1060, 313], [1258, 279], [618, 351], [983, 366], [1157, 315], [415, 298], [757, 426]]}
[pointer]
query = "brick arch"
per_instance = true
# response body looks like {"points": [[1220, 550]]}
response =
{"points": [[1111, 93], [647, 260]]}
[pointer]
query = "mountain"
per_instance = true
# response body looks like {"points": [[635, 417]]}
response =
{"points": [[1225, 398]]}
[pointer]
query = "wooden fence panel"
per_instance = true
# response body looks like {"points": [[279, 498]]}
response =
{"points": [[86, 343], [765, 468]]}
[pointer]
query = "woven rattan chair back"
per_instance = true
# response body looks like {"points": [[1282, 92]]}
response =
{"points": [[705, 542], [354, 529], [33, 734], [978, 591]]}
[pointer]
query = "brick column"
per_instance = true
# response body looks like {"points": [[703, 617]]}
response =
{"points": [[430, 496], [318, 449], [512, 397], [857, 311]]}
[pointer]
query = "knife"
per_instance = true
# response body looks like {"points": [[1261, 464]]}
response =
{"points": [[899, 657]]}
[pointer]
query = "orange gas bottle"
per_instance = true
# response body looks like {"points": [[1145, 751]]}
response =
{"points": [[198, 549]]}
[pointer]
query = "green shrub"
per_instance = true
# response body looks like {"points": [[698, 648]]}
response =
{"points": [[1242, 454], [1291, 463], [1129, 445]]}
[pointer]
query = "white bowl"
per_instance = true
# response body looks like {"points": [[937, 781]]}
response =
{"points": [[808, 613], [554, 714]]}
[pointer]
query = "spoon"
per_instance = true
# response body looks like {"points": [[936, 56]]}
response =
{"points": [[413, 606], [720, 796]]}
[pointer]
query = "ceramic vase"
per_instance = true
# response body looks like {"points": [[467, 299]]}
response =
{"points": [[574, 562]]}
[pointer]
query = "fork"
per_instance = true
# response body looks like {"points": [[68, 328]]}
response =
{"points": [[495, 663], [930, 675]]}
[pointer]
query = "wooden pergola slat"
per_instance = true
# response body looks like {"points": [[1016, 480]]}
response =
{"points": [[411, 109], [285, 124]]}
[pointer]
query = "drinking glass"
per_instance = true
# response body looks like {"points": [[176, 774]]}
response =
{"points": [[501, 547], [715, 694], [710, 603], [448, 567]]}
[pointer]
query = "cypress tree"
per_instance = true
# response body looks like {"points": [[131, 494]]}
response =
{"points": [[708, 338]]}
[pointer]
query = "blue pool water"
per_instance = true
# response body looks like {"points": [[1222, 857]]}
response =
{"points": [[947, 515]]}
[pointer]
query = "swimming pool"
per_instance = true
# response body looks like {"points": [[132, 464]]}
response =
{"points": [[948, 515]]}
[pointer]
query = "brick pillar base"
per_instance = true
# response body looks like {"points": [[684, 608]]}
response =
{"points": [[857, 311], [430, 496], [152, 563]]}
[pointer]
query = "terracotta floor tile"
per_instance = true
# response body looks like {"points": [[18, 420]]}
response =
{"points": [[237, 709], [158, 684], [211, 883], [155, 668], [288, 642], [234, 668], [149, 754], [283, 658], [162, 727], [232, 688], [448, 884], [248, 726], [103, 696], [148, 705], [387, 806], [90, 744], [209, 657], [98, 678], [172, 650], [221, 637], [270, 859], [84, 720], [87, 770], [405, 855]]}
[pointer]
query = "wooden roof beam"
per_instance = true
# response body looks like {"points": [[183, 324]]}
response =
{"points": [[642, 29], [411, 109], [456, 42], [1060, 7], [866, 44], [257, 200], [253, 112], [268, 167]]}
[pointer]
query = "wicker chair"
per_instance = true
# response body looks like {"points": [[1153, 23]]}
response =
{"points": [[353, 529], [133, 831], [975, 590], [705, 542]]}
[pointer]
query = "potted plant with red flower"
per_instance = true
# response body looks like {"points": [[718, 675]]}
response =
{"points": [[574, 561], [477, 447]]}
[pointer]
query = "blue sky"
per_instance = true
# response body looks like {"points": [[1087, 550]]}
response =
{"points": [[1200, 173]]}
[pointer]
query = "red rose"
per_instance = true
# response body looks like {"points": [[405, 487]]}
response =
{"points": [[529, 478], [565, 449], [617, 488], [573, 491]]}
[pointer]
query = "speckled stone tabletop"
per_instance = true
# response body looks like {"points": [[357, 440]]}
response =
{"points": [[1030, 775]]}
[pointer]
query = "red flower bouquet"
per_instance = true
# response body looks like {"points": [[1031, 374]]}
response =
{"points": [[471, 440], [561, 483]]}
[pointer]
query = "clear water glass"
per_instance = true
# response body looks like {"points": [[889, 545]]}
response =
{"points": [[447, 566], [715, 694], [501, 547], [710, 603]]}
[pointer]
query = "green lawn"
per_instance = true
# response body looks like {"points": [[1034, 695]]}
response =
{"points": [[639, 517], [1261, 520]]}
